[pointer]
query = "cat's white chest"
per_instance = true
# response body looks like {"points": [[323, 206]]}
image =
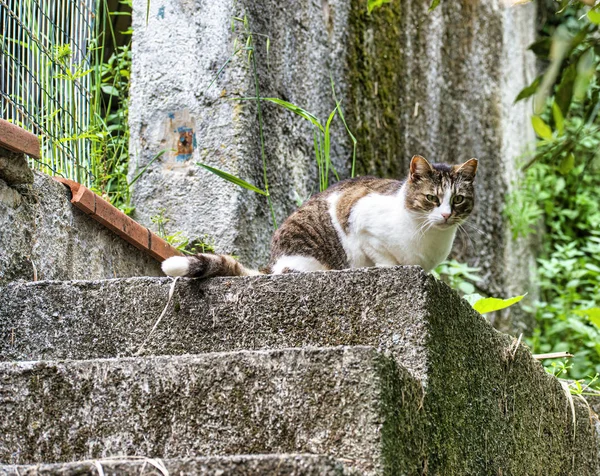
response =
{"points": [[382, 232]]}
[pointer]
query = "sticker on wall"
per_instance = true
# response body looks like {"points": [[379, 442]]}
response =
{"points": [[179, 135]]}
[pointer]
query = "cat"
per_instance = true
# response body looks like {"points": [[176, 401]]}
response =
{"points": [[364, 221]]}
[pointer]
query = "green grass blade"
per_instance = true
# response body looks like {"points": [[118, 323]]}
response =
{"points": [[160, 154], [222, 68], [290, 107], [233, 179], [318, 158], [327, 145]]}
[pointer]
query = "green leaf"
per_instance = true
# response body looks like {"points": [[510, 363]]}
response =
{"points": [[567, 164], [594, 16], [592, 314], [290, 107], [433, 6], [586, 68], [466, 287], [157, 156], [327, 146], [109, 89], [559, 120], [541, 128], [561, 41], [473, 298], [373, 4], [233, 179], [564, 91], [483, 306], [530, 90]]}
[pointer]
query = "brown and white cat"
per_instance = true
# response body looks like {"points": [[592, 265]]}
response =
{"points": [[359, 222]]}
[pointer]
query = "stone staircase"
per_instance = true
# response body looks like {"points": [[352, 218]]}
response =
{"points": [[369, 371]]}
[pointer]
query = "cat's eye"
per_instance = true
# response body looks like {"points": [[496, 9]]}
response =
{"points": [[458, 199], [432, 198]]}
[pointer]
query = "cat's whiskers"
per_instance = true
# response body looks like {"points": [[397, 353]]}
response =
{"points": [[423, 228], [462, 229], [429, 223], [473, 227]]}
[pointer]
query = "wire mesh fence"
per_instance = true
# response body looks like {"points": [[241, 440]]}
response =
{"points": [[46, 52]]}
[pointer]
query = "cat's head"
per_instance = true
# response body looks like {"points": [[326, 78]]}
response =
{"points": [[441, 195]]}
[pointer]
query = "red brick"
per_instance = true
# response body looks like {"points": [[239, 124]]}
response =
{"points": [[115, 220], [82, 198], [14, 138], [160, 249], [119, 223]]}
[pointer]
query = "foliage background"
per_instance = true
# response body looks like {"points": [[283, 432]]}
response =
{"points": [[559, 197]]}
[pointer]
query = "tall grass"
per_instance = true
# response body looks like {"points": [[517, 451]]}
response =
{"points": [[110, 100]]}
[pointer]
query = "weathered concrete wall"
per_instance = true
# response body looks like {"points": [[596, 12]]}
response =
{"points": [[490, 407], [441, 85], [41, 230]]}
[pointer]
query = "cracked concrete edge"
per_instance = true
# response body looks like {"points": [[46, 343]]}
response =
{"points": [[246, 465]]}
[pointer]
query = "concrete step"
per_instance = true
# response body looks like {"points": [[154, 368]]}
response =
{"points": [[387, 308], [490, 406], [243, 465], [349, 402]]}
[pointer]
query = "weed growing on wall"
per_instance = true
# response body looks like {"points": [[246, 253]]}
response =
{"points": [[178, 240]]}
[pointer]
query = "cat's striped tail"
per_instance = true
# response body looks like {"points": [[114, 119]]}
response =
{"points": [[205, 265]]}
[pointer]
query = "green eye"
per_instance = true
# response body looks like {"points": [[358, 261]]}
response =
{"points": [[458, 199], [432, 198]]}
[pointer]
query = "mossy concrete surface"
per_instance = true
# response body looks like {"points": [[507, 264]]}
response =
{"points": [[43, 236], [332, 401], [255, 465], [490, 408], [385, 308]]}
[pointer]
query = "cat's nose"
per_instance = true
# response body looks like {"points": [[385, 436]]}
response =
{"points": [[446, 216]]}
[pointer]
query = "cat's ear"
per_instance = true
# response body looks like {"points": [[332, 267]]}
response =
{"points": [[419, 167], [468, 169]]}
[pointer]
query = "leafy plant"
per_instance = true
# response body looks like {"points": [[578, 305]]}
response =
{"points": [[459, 276], [560, 188], [464, 279], [178, 240]]}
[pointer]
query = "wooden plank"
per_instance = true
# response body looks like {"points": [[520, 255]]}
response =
{"points": [[117, 222], [14, 138]]}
